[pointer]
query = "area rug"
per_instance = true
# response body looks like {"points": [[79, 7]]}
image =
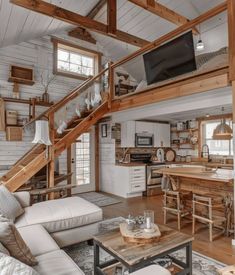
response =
{"points": [[99, 199], [82, 254]]}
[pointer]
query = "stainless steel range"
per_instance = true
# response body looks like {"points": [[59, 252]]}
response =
{"points": [[153, 178]]}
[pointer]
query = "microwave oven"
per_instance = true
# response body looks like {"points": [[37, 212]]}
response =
{"points": [[143, 140]]}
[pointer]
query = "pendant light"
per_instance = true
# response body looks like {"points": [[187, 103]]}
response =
{"points": [[200, 45], [42, 133], [222, 131]]}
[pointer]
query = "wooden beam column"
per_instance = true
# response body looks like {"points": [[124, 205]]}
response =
{"points": [[112, 16], [97, 159], [51, 156], [231, 37]]}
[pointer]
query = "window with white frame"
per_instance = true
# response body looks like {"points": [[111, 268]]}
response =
{"points": [[74, 61], [216, 147], [83, 159]]}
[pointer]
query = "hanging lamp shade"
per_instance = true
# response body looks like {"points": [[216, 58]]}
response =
{"points": [[42, 133], [222, 131]]}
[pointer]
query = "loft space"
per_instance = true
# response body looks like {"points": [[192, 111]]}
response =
{"points": [[116, 134]]}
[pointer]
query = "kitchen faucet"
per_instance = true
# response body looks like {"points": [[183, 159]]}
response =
{"points": [[205, 152]]}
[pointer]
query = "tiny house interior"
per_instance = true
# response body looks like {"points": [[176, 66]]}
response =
{"points": [[116, 137]]}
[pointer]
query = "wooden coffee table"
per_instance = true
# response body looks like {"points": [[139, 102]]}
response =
{"points": [[136, 256]]}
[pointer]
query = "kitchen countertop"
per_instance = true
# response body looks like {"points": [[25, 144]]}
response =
{"points": [[222, 175], [130, 164]]}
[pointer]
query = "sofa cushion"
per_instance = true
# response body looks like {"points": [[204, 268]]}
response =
{"points": [[11, 266], [3, 250], [57, 262], [11, 239], [9, 206], [38, 239], [61, 214]]}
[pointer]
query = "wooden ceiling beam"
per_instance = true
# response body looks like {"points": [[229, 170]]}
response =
{"points": [[78, 20], [162, 11], [112, 16], [92, 14]]}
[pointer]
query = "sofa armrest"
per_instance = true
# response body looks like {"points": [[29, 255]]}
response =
{"points": [[23, 198]]}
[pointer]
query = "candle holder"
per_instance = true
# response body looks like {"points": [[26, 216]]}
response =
{"points": [[149, 220]]}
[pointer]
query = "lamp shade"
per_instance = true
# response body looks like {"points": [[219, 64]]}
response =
{"points": [[222, 131], [42, 133]]}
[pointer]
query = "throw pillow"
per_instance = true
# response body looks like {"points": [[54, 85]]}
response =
{"points": [[4, 250], [11, 239], [9, 206], [9, 265]]}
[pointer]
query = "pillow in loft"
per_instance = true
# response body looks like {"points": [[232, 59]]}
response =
{"points": [[204, 58], [10, 265], [141, 86], [13, 242], [9, 206]]}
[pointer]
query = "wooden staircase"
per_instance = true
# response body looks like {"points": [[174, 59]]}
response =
{"points": [[40, 155]]}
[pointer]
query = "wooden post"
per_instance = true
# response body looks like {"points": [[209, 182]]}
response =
{"points": [[231, 37], [97, 159], [111, 84], [51, 165], [69, 168], [112, 16]]}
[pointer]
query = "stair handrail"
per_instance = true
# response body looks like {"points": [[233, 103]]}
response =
{"points": [[73, 94]]}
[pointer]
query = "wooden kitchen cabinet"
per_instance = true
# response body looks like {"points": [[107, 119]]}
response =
{"points": [[162, 135], [142, 127], [128, 134]]}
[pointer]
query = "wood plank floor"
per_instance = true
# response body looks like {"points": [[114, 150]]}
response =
{"points": [[220, 249]]}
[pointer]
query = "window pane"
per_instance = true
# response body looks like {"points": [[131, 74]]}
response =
{"points": [[63, 55], [220, 147], [210, 127], [75, 59], [75, 68], [64, 66], [83, 159], [87, 61]]}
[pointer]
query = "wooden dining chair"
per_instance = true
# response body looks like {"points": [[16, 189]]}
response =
{"points": [[174, 202], [203, 207]]}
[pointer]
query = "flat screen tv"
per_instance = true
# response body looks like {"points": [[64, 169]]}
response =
{"points": [[171, 59]]}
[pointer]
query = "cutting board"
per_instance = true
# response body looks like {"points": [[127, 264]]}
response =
{"points": [[2, 115]]}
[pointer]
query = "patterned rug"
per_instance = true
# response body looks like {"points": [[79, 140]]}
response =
{"points": [[99, 199], [82, 254]]}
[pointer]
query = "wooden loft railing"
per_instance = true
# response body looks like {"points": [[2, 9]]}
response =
{"points": [[201, 83]]}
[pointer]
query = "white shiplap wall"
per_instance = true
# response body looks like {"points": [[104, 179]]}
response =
{"points": [[38, 55]]}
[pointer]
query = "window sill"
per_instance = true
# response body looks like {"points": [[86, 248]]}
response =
{"points": [[71, 75]]}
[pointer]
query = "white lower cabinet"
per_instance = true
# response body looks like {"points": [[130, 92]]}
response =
{"points": [[124, 181]]}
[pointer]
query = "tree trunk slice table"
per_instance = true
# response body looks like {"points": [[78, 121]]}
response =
{"points": [[139, 235]]}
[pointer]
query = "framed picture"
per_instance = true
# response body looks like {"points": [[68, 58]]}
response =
{"points": [[104, 130]]}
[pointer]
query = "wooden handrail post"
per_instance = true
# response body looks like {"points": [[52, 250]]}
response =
{"points": [[111, 84], [51, 156]]}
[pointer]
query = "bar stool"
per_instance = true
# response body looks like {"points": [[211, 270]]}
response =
{"points": [[203, 206], [152, 270], [175, 203]]}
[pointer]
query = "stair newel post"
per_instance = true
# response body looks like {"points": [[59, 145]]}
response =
{"points": [[111, 84], [51, 156]]}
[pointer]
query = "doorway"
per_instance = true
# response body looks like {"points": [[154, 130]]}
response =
{"points": [[84, 163]]}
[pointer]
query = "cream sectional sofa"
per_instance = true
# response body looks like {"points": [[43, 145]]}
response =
{"points": [[48, 226]]}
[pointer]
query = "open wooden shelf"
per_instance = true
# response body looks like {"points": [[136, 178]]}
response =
{"points": [[184, 131], [27, 101], [21, 81]]}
